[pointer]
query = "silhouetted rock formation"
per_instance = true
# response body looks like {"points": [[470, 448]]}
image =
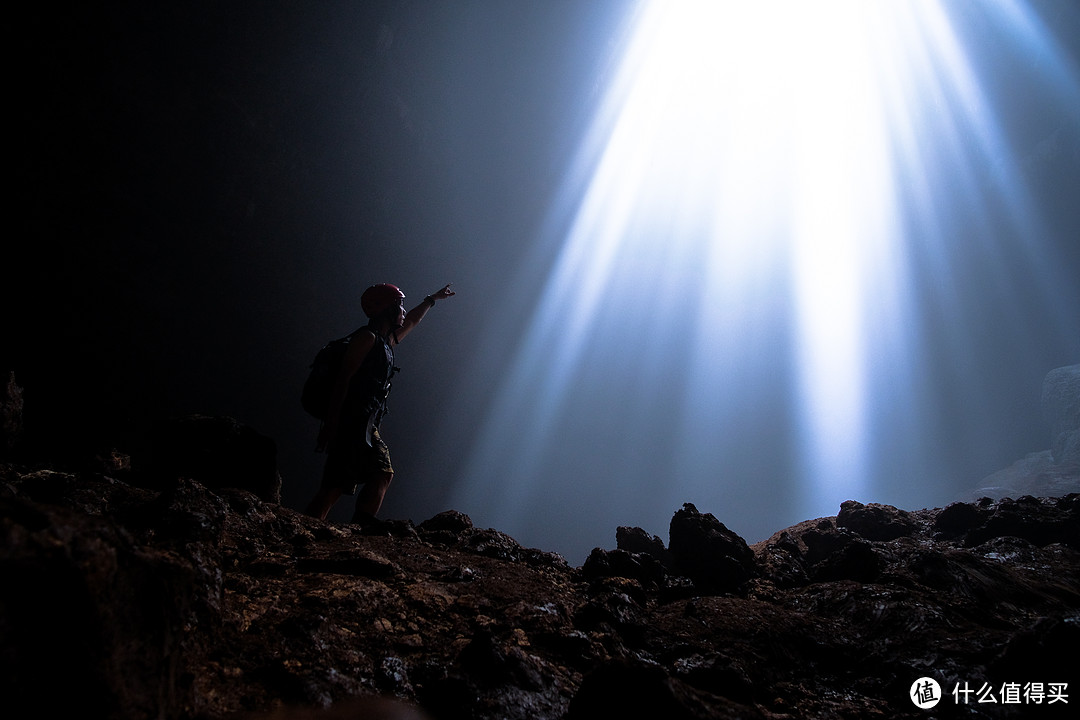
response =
{"points": [[216, 451], [11, 408], [118, 601], [704, 550]]}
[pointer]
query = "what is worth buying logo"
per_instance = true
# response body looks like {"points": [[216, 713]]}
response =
{"points": [[925, 693]]}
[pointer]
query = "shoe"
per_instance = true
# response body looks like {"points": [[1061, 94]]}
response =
{"points": [[371, 525], [362, 518]]}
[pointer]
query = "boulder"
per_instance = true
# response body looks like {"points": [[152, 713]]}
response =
{"points": [[836, 554], [218, 452], [1041, 521], [446, 528], [958, 518], [620, 563], [636, 540], [450, 521], [780, 559], [706, 551], [874, 521]]}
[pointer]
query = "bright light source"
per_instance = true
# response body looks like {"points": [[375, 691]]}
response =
{"points": [[734, 243]]}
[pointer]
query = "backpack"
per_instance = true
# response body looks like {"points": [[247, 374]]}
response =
{"points": [[315, 396]]}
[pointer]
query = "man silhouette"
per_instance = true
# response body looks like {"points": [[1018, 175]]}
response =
{"points": [[356, 453]]}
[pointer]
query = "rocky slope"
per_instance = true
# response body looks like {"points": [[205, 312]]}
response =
{"points": [[123, 602]]}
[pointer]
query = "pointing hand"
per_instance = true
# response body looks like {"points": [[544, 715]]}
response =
{"points": [[443, 293]]}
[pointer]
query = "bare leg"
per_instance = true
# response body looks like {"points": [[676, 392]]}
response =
{"points": [[322, 502], [370, 498]]}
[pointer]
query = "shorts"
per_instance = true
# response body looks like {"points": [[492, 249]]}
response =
{"points": [[352, 464]]}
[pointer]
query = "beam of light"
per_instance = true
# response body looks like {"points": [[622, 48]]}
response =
{"points": [[732, 251]]}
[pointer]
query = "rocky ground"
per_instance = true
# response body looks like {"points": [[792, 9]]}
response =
{"points": [[124, 602]]}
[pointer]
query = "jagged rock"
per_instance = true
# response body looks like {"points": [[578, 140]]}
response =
{"points": [[11, 409], [493, 544], [450, 521], [187, 513], [490, 662], [390, 528], [620, 563], [781, 560], [499, 545], [818, 551], [834, 553], [703, 549], [446, 528], [716, 673], [49, 486], [84, 604], [393, 676], [1061, 408], [200, 603], [874, 521], [219, 452], [616, 606], [1041, 649], [958, 518], [368, 708], [364, 564], [637, 690], [1041, 521], [636, 540]]}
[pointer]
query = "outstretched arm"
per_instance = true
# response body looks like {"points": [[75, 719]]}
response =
{"points": [[414, 316]]}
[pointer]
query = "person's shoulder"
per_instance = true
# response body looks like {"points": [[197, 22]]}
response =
{"points": [[361, 339], [362, 332]]}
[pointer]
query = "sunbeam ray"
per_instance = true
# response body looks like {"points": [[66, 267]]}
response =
{"points": [[761, 242]]}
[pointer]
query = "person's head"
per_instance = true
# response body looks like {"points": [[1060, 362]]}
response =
{"points": [[384, 303]]}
